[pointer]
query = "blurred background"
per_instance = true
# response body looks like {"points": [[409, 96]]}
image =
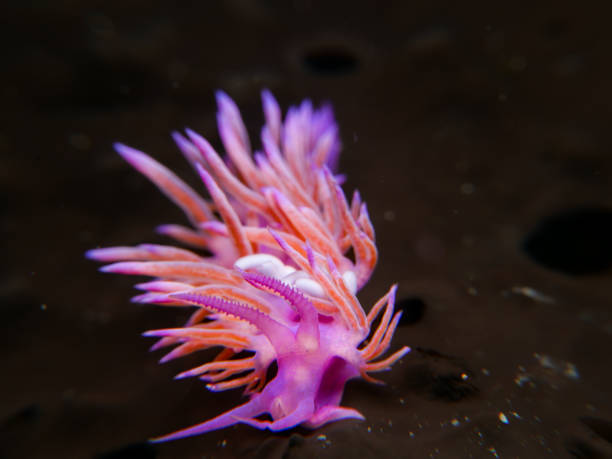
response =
{"points": [[478, 134]]}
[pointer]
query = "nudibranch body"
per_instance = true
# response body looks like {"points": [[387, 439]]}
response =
{"points": [[279, 285]]}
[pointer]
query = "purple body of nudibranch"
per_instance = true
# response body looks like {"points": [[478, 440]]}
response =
{"points": [[279, 286]]}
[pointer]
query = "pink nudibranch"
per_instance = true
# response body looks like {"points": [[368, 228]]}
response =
{"points": [[279, 286]]}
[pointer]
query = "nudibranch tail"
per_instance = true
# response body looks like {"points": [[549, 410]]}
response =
{"points": [[248, 410], [271, 264]]}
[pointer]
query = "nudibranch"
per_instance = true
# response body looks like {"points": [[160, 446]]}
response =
{"points": [[276, 256]]}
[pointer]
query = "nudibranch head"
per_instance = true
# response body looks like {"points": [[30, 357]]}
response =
{"points": [[279, 286]]}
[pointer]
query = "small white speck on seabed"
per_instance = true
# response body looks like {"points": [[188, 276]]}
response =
{"points": [[522, 378], [568, 369], [325, 442], [532, 293]]}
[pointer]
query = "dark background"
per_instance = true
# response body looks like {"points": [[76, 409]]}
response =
{"points": [[478, 134]]}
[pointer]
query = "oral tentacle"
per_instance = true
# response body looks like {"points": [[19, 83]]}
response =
{"points": [[279, 335]]}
